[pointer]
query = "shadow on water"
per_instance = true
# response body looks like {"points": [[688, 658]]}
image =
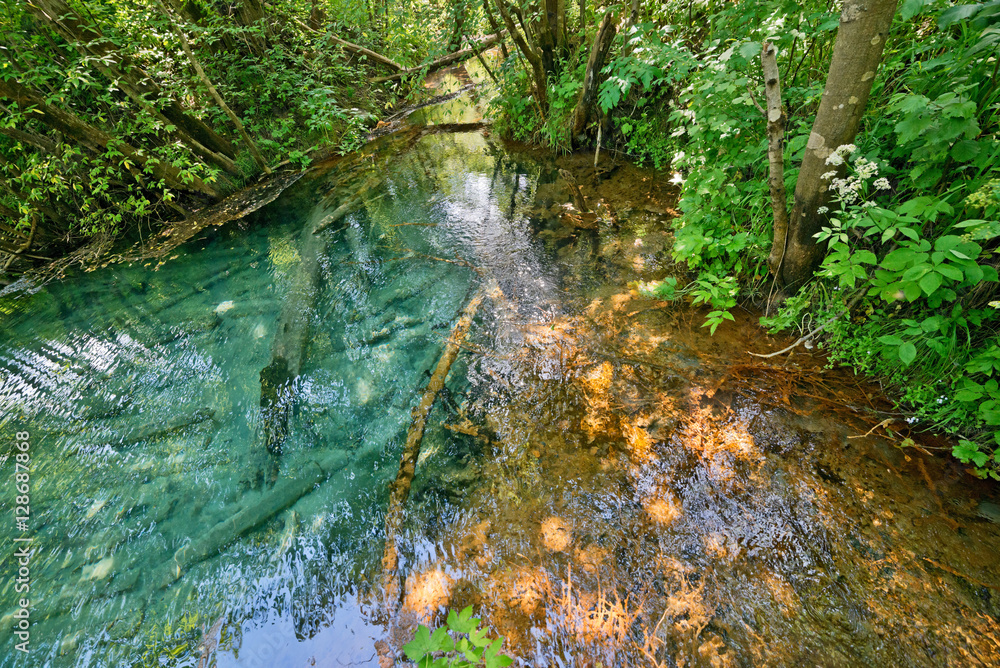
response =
{"points": [[609, 485]]}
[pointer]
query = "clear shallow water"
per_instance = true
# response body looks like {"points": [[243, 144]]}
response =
{"points": [[589, 480]]}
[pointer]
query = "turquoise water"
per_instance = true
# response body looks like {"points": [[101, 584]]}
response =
{"points": [[599, 478], [140, 388]]}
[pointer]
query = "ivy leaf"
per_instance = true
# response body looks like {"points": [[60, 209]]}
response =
{"points": [[907, 353]]}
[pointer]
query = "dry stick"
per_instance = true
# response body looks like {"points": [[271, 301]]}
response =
{"points": [[949, 569], [400, 489], [816, 331], [258, 158]]}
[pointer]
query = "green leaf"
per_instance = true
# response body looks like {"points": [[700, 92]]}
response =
{"points": [[968, 395], [441, 641], [865, 257], [948, 271], [930, 282], [890, 340], [749, 50], [957, 13], [907, 353], [911, 8], [463, 622], [965, 150], [478, 637], [911, 291], [420, 646], [492, 657]]}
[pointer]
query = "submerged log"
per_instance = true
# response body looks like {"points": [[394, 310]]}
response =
{"points": [[281, 496], [278, 377], [400, 488], [158, 430]]}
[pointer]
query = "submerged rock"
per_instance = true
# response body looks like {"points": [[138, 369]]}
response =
{"points": [[224, 306]]}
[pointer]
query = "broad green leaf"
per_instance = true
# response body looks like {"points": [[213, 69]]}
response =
{"points": [[930, 282], [890, 340], [420, 646], [441, 641], [492, 657], [907, 353], [911, 8], [965, 150], [865, 257], [749, 50]]}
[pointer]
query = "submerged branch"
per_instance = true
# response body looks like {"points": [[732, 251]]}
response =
{"points": [[400, 488]]}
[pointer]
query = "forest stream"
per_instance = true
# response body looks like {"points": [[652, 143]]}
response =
{"points": [[605, 482]]}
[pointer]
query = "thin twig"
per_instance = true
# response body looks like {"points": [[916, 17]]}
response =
{"points": [[816, 331]]}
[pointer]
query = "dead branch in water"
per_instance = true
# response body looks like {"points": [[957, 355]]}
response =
{"points": [[400, 488]]}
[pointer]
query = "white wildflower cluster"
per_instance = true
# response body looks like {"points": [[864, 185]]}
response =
{"points": [[865, 168], [848, 189], [822, 210], [837, 157]]}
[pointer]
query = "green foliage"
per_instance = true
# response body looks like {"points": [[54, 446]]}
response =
{"points": [[915, 226], [461, 644]]}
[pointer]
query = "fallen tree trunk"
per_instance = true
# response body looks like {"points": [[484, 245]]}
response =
{"points": [[281, 496], [173, 424], [400, 488], [444, 61], [277, 378]]}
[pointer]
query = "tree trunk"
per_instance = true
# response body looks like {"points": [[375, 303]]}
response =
{"points": [[775, 154], [258, 158], [595, 63], [98, 140], [534, 60], [494, 28], [864, 25], [444, 61], [455, 43]]}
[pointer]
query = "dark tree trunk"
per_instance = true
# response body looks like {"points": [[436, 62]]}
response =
{"points": [[595, 63], [533, 58], [864, 26], [494, 27]]}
